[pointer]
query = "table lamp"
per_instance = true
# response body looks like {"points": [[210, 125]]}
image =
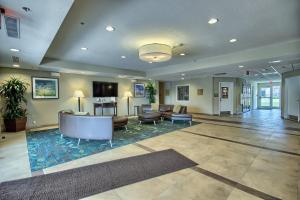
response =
{"points": [[78, 94], [128, 94]]}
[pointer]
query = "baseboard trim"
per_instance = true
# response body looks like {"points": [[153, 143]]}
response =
{"points": [[38, 127]]}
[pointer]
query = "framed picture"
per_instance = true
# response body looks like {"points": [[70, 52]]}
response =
{"points": [[183, 92], [200, 92], [139, 90], [45, 88], [224, 92]]}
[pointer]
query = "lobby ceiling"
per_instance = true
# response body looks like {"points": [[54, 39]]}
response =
{"points": [[53, 36]]}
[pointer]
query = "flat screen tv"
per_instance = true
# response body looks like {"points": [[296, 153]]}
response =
{"points": [[105, 89]]}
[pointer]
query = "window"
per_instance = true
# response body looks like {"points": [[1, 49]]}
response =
{"points": [[183, 92]]}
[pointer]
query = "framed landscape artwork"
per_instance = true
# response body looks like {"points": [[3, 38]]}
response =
{"points": [[45, 88], [139, 90], [183, 92]]}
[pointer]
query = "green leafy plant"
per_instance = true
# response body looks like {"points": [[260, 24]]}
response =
{"points": [[13, 92], [151, 92]]}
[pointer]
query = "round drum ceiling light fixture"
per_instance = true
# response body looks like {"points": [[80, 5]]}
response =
{"points": [[155, 52]]}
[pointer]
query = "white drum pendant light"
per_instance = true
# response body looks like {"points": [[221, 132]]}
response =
{"points": [[155, 52]]}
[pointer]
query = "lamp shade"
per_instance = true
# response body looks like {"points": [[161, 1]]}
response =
{"points": [[128, 94], [155, 52], [78, 93]]}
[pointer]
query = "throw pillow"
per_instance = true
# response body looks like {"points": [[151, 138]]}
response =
{"points": [[82, 113], [177, 108], [154, 106]]}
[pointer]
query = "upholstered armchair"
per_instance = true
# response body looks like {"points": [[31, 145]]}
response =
{"points": [[175, 110]]}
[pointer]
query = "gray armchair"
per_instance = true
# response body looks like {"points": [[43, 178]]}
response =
{"points": [[85, 127]]}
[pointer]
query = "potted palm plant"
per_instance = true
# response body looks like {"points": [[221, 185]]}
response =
{"points": [[14, 113], [151, 92]]}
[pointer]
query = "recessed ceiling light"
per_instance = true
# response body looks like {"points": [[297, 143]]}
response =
{"points": [[110, 28], [275, 61], [182, 78], [84, 48], [182, 54], [233, 40], [16, 65], [123, 57], [182, 74], [213, 20], [241, 66], [15, 50]]}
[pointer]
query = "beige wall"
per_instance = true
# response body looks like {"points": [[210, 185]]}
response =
{"points": [[197, 103], [206, 103], [44, 112]]}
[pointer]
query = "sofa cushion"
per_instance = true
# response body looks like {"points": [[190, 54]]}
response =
{"points": [[181, 115], [145, 108]]}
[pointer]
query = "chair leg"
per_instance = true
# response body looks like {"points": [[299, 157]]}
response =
{"points": [[126, 128], [140, 122], [78, 142], [154, 122], [110, 143], [61, 136], [172, 121], [162, 119], [191, 123]]}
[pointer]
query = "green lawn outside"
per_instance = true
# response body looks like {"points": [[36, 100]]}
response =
{"points": [[265, 102], [276, 103]]}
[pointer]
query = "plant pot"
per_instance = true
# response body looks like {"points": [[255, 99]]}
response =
{"points": [[15, 125]]}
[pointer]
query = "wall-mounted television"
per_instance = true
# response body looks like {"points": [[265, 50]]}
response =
{"points": [[105, 89]]}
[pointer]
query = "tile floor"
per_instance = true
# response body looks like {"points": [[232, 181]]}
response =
{"points": [[240, 157]]}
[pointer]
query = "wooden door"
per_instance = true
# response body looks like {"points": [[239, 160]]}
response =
{"points": [[161, 92]]}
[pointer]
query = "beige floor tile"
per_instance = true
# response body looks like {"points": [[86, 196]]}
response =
{"points": [[237, 194], [14, 161], [109, 195], [274, 173], [284, 142]]}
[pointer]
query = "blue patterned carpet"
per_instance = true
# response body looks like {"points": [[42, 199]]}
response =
{"points": [[47, 149]]}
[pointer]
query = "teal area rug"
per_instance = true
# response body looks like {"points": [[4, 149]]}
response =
{"points": [[47, 148]]}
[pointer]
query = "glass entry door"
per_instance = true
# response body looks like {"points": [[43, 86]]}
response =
{"points": [[264, 99], [268, 96], [276, 96]]}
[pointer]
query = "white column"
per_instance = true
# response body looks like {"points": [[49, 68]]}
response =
{"points": [[298, 110]]}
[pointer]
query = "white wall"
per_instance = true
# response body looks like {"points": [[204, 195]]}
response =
{"points": [[292, 92], [197, 103]]}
